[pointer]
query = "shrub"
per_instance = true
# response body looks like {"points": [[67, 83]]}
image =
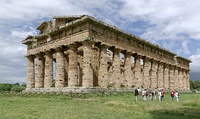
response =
{"points": [[17, 88]]}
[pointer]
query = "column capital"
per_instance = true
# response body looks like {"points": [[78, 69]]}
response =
{"points": [[48, 52], [103, 46], [128, 53], [39, 55], [73, 46], [29, 56], [87, 42]]}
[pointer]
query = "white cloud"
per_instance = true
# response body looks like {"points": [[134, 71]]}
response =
{"points": [[170, 19], [195, 65]]}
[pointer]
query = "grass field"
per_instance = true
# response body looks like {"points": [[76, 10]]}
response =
{"points": [[94, 106]]}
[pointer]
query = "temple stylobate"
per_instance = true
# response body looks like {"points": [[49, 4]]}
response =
{"points": [[89, 53]]}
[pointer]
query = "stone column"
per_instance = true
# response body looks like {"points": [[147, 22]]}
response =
{"points": [[80, 68], [179, 80], [137, 69], [60, 73], [146, 71], [103, 69], [128, 72], [73, 70], [154, 74], [183, 80], [160, 75], [95, 64], [171, 78], [30, 73], [48, 78], [87, 64], [166, 77], [116, 68], [187, 81], [66, 69], [39, 71], [176, 83]]}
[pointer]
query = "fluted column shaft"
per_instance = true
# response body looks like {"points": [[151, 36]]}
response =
{"points": [[48, 78], [87, 64], [95, 65], [137, 69], [160, 76], [153, 75], [176, 78], [128, 71], [171, 78], [73, 70], [180, 80], [116, 68], [146, 71], [80, 68], [103, 69], [60, 73], [187, 81], [66, 64], [39, 72], [166, 77], [30, 73]]}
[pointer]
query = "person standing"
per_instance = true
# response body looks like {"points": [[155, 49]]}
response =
{"points": [[162, 95], [159, 95], [177, 95], [144, 95], [172, 95], [153, 93], [137, 94]]}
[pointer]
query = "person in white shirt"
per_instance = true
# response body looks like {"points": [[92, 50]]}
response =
{"points": [[177, 95], [144, 95], [159, 95]]}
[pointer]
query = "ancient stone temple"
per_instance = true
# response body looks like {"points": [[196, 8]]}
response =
{"points": [[83, 52]]}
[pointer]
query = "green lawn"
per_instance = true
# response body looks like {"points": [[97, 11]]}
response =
{"points": [[121, 106]]}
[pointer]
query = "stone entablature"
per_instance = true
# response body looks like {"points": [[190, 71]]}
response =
{"points": [[80, 45]]}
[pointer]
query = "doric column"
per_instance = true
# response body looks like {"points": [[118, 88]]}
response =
{"points": [[160, 75], [95, 65], [73, 70], [137, 69], [176, 83], [30, 73], [103, 69], [60, 73], [180, 79], [153, 74], [187, 81], [128, 72], [146, 71], [66, 69], [48, 78], [166, 77], [171, 78], [116, 68], [87, 64], [80, 68], [39, 71]]}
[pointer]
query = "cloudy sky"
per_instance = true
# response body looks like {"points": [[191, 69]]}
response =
{"points": [[172, 24]]}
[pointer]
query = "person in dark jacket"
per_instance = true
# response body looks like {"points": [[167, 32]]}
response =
{"points": [[137, 94]]}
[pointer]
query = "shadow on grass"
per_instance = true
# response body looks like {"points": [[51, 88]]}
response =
{"points": [[180, 113]]}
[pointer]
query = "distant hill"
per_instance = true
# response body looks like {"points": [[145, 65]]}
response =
{"points": [[195, 76]]}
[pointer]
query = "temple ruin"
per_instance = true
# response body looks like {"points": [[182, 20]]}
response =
{"points": [[89, 53]]}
